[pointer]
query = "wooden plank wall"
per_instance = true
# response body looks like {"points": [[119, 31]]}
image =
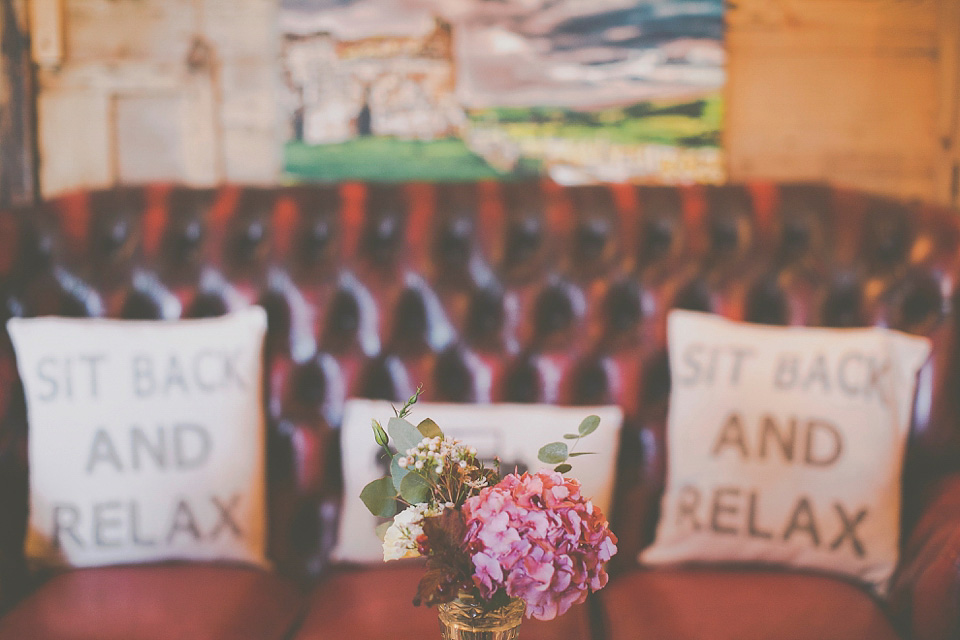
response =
{"points": [[17, 184], [858, 92], [139, 90], [864, 93]]}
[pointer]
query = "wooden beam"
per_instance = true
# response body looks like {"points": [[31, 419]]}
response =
{"points": [[948, 113], [46, 24], [17, 155]]}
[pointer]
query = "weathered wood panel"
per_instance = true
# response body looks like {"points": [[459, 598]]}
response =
{"points": [[180, 90], [851, 91], [150, 138], [74, 140], [863, 93], [153, 31], [948, 121], [17, 185]]}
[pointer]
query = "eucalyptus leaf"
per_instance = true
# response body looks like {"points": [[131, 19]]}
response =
{"points": [[553, 453], [562, 468], [382, 529], [583, 453], [414, 488], [397, 472], [405, 435], [380, 497], [589, 425], [571, 436], [429, 429]]}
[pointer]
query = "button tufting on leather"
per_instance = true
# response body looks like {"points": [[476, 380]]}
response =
{"points": [[186, 230], [596, 214], [453, 244], [318, 209], [383, 233], [918, 303], [523, 382], [506, 292], [384, 378], [207, 304], [10, 307], [656, 379], [114, 218], [802, 209], [843, 304], [767, 303], [343, 321], [349, 322], [184, 240], [695, 296], [248, 245], [410, 325], [77, 299], [315, 239], [309, 381], [485, 318], [662, 211], [453, 378], [111, 237], [149, 300], [524, 237], [556, 310], [887, 234], [623, 307], [591, 382], [37, 248]]}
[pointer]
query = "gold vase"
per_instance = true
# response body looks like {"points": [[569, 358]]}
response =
{"points": [[465, 619]]}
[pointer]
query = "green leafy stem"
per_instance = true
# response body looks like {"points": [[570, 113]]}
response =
{"points": [[409, 485], [558, 452]]}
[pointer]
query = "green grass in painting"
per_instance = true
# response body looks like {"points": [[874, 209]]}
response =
{"points": [[693, 123], [387, 160], [688, 123]]}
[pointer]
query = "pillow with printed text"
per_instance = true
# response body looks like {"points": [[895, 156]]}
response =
{"points": [[785, 446], [146, 439]]}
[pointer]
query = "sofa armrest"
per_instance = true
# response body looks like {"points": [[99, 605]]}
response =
{"points": [[925, 594]]}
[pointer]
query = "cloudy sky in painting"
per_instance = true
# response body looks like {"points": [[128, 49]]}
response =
{"points": [[574, 53]]}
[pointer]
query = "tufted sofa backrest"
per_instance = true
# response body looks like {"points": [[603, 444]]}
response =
{"points": [[488, 292]]}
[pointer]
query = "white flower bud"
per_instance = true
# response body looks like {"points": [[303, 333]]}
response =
{"points": [[403, 462], [419, 464]]}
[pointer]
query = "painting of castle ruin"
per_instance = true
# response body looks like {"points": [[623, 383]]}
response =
{"points": [[581, 91]]}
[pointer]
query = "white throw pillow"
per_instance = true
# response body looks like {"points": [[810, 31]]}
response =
{"points": [[146, 439], [514, 432], [785, 445]]}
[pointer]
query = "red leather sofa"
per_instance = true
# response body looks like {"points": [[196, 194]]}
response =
{"points": [[561, 294]]}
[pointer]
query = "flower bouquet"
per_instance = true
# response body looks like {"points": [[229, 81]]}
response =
{"points": [[496, 546]]}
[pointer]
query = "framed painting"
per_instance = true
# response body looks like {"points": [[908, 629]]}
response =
{"points": [[454, 90]]}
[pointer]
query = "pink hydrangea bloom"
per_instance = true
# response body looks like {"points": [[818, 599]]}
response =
{"points": [[537, 537]]}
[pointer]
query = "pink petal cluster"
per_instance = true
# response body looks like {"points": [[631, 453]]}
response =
{"points": [[537, 537]]}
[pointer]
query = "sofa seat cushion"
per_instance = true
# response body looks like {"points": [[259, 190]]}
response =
{"points": [[673, 604], [372, 604], [183, 602]]}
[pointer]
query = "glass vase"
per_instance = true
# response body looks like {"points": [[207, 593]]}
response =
{"points": [[465, 619]]}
